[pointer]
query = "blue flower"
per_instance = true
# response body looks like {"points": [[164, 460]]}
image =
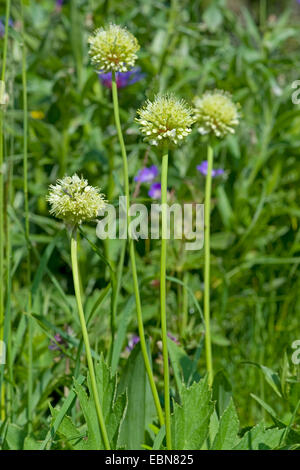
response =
{"points": [[203, 169], [155, 191], [123, 79], [146, 175], [2, 25], [132, 342]]}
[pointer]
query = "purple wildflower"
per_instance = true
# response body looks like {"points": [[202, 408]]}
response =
{"points": [[54, 345], [146, 175], [203, 169], [132, 342], [173, 338], [155, 191], [123, 79]]}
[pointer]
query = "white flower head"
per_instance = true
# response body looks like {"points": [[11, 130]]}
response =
{"points": [[216, 113], [165, 121], [73, 200], [113, 49]]}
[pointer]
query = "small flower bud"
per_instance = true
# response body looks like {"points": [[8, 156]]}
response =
{"points": [[165, 121], [74, 201], [216, 113], [113, 49]]}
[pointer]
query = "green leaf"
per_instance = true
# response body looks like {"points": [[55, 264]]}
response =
{"points": [[157, 444], [123, 321], [222, 392], [14, 438], [259, 438], [190, 420], [60, 414], [226, 437], [113, 411], [183, 367], [141, 410], [270, 376]]}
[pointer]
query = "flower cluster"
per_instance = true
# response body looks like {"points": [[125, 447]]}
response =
{"points": [[165, 121], [216, 113], [74, 201], [123, 79], [113, 49]]}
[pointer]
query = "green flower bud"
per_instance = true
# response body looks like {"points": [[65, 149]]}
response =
{"points": [[74, 201], [113, 49], [216, 113], [165, 121]]}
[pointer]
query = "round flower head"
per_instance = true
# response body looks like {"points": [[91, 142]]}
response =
{"points": [[113, 49], [216, 113], [74, 201], [165, 121]]}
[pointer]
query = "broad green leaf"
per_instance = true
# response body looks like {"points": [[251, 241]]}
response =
{"points": [[113, 411], [190, 420], [141, 410], [14, 438], [226, 437], [259, 438]]}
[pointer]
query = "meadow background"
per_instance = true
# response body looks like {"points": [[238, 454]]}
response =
{"points": [[250, 49]]}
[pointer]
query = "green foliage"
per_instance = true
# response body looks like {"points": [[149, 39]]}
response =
{"points": [[190, 419], [140, 411], [89, 436]]}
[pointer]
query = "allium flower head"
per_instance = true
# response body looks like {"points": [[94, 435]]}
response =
{"points": [[216, 113], [74, 201], [113, 49], [165, 121]]}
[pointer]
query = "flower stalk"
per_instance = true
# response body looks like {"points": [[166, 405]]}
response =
{"points": [[2, 92], [163, 258], [132, 254], [85, 336], [208, 349]]}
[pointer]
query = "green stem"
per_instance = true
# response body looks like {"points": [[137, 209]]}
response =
{"points": [[27, 230], [2, 392], [185, 311], [207, 265], [86, 338], [132, 255], [163, 259]]}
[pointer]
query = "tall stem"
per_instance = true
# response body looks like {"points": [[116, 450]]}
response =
{"points": [[86, 338], [207, 265], [132, 255], [163, 258], [2, 90], [27, 230]]}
